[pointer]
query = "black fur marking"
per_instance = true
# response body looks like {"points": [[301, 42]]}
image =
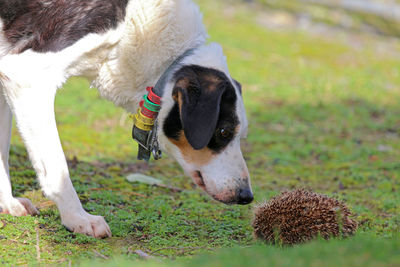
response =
{"points": [[210, 94], [52, 25], [172, 125], [228, 121]]}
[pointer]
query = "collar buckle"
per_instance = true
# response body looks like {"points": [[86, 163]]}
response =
{"points": [[154, 145], [147, 144]]}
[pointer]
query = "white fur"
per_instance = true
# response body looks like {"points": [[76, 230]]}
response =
{"points": [[155, 32], [5, 135], [121, 63]]}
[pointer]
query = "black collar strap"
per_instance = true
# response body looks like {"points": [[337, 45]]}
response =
{"points": [[162, 82], [147, 140]]}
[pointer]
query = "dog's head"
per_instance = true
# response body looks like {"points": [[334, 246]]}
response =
{"points": [[202, 121]]}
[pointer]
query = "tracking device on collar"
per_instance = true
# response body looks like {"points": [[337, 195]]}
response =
{"points": [[145, 127], [145, 124]]}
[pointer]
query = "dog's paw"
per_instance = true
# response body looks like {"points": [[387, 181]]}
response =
{"points": [[19, 207], [85, 223]]}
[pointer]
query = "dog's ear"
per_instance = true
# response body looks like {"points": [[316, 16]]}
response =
{"points": [[198, 94]]}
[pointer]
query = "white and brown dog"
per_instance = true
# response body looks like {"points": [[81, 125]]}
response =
{"points": [[122, 46]]}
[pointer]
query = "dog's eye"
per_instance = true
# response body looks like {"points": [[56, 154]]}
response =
{"points": [[224, 133]]}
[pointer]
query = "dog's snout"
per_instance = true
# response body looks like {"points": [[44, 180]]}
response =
{"points": [[245, 196]]}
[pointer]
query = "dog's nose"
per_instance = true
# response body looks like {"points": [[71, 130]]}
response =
{"points": [[245, 196]]}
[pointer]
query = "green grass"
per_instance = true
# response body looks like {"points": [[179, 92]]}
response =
{"points": [[323, 115], [359, 251]]}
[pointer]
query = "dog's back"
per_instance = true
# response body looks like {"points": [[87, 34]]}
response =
{"points": [[52, 25]]}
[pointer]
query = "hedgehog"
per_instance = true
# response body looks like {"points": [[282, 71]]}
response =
{"points": [[298, 216]]}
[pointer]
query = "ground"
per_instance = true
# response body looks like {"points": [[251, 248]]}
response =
{"points": [[324, 115]]}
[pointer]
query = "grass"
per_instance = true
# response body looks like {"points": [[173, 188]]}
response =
{"points": [[323, 115], [333, 14], [360, 251]]}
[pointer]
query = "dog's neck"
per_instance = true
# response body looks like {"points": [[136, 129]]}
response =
{"points": [[153, 35]]}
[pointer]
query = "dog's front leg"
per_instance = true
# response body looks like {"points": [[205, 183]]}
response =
{"points": [[33, 107], [9, 204]]}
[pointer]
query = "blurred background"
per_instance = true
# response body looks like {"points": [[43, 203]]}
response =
{"points": [[372, 16]]}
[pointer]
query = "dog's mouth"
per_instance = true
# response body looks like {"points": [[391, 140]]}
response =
{"points": [[199, 180], [241, 194]]}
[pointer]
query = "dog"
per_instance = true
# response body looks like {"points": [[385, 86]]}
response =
{"points": [[122, 47]]}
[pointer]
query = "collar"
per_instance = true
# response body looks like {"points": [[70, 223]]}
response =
{"points": [[145, 127]]}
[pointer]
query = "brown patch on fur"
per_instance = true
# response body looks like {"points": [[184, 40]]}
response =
{"points": [[199, 157], [178, 97], [183, 84], [213, 82]]}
